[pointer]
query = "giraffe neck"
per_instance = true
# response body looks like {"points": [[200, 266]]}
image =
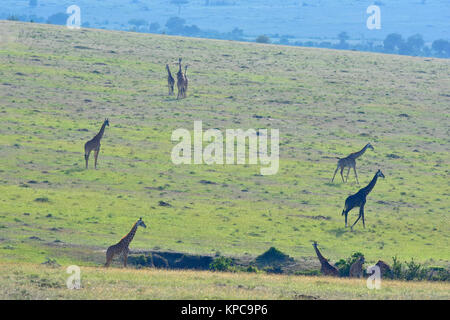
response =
{"points": [[100, 133], [370, 186], [129, 237], [360, 152], [319, 255], [168, 71]]}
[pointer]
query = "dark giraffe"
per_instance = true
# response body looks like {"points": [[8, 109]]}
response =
{"points": [[385, 270], [180, 81], [356, 269], [170, 80], [350, 162], [185, 88], [359, 199], [326, 268], [121, 248], [94, 144]]}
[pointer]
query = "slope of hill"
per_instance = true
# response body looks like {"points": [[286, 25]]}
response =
{"points": [[57, 86]]}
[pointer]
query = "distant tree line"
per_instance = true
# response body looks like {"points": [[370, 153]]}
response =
{"points": [[393, 43]]}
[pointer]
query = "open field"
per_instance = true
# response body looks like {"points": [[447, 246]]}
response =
{"points": [[30, 281], [58, 85]]}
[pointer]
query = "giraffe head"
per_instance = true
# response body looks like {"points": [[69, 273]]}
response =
{"points": [[380, 174], [370, 146], [106, 122], [141, 223], [314, 244]]}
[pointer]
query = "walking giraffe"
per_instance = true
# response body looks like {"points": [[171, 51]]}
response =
{"points": [[326, 268], [94, 144], [350, 162], [170, 80], [121, 248], [359, 199]]}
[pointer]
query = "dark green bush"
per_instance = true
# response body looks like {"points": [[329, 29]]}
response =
{"points": [[344, 265], [221, 264]]}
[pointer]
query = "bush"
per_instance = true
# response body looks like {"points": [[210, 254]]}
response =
{"points": [[221, 264], [344, 265], [263, 39], [397, 268]]}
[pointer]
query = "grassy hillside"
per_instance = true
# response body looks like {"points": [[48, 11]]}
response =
{"points": [[57, 86]]}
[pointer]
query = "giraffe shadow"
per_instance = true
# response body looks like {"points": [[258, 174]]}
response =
{"points": [[338, 232]]}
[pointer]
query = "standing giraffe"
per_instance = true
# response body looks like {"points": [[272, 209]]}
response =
{"points": [[170, 80], [359, 199], [350, 162], [94, 144], [356, 269], [185, 88], [121, 248], [326, 268], [180, 81]]}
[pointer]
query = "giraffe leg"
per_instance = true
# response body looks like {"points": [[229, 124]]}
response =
{"points": [[342, 169], [86, 157], [346, 214], [96, 156], [359, 217], [348, 171], [356, 175], [125, 257], [109, 257], [361, 210], [335, 173]]}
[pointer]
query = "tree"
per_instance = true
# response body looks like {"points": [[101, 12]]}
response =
{"points": [[415, 43], [343, 37], [153, 27], [392, 42], [58, 18], [263, 39], [441, 47], [175, 24]]}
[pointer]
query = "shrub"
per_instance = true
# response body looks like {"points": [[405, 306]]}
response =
{"points": [[397, 268], [221, 264], [344, 265]]}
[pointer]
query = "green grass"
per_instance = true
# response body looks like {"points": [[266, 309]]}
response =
{"points": [[325, 103], [31, 281]]}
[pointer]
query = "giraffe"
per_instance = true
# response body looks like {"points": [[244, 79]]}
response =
{"points": [[185, 87], [385, 270], [326, 268], [121, 248], [350, 162], [356, 269], [170, 80], [94, 144], [180, 81], [359, 199]]}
